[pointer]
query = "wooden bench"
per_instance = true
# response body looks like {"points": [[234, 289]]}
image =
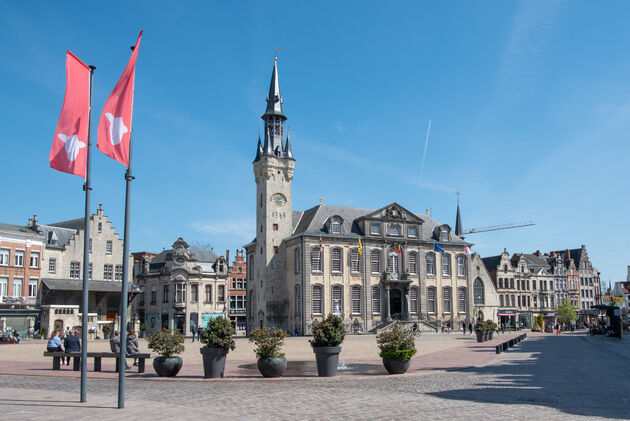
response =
{"points": [[98, 356]]}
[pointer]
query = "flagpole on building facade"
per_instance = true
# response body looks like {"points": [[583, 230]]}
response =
{"points": [[86, 253], [124, 300]]}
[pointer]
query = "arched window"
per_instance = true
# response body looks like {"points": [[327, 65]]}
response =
{"points": [[461, 300], [316, 260], [335, 260], [337, 300], [446, 264], [356, 299], [430, 263], [479, 292], [335, 226], [413, 300], [444, 234], [447, 296], [298, 301], [318, 299], [431, 295], [376, 300], [413, 262], [375, 261]]}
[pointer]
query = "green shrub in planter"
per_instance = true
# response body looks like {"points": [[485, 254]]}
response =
{"points": [[166, 343], [396, 343], [329, 332], [268, 342], [218, 334], [480, 326]]}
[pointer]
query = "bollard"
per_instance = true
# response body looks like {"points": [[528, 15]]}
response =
{"points": [[499, 349]]}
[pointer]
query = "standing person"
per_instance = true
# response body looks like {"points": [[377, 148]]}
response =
{"points": [[54, 343], [470, 328], [114, 345], [72, 344], [193, 330], [464, 327], [132, 345]]}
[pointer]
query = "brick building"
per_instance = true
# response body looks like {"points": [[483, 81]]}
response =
{"points": [[238, 293]]}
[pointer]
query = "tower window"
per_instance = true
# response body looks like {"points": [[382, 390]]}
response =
{"points": [[275, 227], [275, 249]]}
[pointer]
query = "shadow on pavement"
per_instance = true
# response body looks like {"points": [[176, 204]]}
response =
{"points": [[570, 373]]}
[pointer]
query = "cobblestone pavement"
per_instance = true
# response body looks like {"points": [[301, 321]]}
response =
{"points": [[545, 377]]}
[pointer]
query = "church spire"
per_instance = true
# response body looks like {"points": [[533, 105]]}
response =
{"points": [[459, 228], [287, 148], [274, 117], [274, 99], [259, 150]]}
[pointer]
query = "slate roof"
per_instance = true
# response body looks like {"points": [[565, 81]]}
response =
{"points": [[576, 255], [77, 285], [76, 224], [492, 262], [19, 229], [535, 261], [63, 235]]}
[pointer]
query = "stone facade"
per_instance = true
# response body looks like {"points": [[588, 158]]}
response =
{"points": [[182, 288]]}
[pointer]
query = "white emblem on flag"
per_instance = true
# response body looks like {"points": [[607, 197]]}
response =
{"points": [[116, 128], [73, 145]]}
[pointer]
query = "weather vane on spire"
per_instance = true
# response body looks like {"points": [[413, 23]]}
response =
{"points": [[458, 194], [275, 53]]}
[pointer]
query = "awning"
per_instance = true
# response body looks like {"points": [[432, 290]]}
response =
{"points": [[93, 286], [507, 313]]}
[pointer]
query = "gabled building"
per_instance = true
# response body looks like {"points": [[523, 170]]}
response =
{"points": [[238, 293], [589, 282], [369, 266]]}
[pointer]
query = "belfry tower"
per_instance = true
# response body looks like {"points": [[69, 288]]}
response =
{"points": [[273, 171]]}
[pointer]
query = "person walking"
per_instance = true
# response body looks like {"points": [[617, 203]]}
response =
{"points": [[470, 328], [72, 344], [132, 345], [114, 345], [464, 327], [54, 343], [193, 330]]}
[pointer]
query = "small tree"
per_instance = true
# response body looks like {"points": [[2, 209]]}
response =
{"points": [[396, 343], [218, 334], [616, 301], [329, 332], [166, 343], [540, 320], [566, 312], [268, 342]]}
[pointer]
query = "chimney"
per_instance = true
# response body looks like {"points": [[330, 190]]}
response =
{"points": [[628, 277], [227, 257], [568, 254], [537, 253]]}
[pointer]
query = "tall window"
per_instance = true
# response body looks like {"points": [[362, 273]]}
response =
{"points": [[119, 273], [90, 271], [180, 292], [90, 245], [17, 287], [165, 293], [513, 301], [479, 292], [447, 299], [297, 259], [317, 299], [298, 300], [446, 264], [4, 257], [376, 300], [413, 300], [500, 282], [375, 261], [316, 260], [443, 234], [32, 287], [375, 228], [430, 263], [431, 293], [221, 294], [75, 270], [337, 300], [461, 265], [52, 265], [153, 295], [335, 260], [336, 226], [461, 300], [208, 294], [501, 300], [413, 262], [354, 260], [4, 284], [356, 299], [394, 229], [34, 259], [194, 293], [108, 272], [412, 231], [393, 263], [108, 247], [19, 258]]}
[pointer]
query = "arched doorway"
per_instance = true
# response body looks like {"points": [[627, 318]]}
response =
{"points": [[395, 303]]}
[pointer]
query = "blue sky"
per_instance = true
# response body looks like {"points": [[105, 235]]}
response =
{"points": [[529, 103]]}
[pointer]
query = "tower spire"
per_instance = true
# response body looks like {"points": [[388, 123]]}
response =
{"points": [[459, 227], [274, 99], [259, 150], [287, 147]]}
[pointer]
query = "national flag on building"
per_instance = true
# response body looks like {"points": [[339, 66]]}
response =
{"points": [[360, 248], [438, 249], [69, 148], [399, 251], [114, 126], [467, 250], [321, 245]]}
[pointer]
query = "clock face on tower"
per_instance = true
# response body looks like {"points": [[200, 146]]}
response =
{"points": [[278, 199]]}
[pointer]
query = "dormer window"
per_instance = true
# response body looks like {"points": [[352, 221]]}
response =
{"points": [[335, 226], [375, 228], [394, 229], [443, 234]]}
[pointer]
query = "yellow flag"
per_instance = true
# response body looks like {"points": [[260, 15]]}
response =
{"points": [[360, 248]]}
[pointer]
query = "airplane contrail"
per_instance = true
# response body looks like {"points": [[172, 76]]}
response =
{"points": [[424, 155]]}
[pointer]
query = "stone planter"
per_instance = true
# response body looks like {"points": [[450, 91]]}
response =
{"points": [[327, 358], [487, 335], [272, 367], [480, 336], [491, 334], [167, 367], [213, 362], [107, 335], [396, 366]]}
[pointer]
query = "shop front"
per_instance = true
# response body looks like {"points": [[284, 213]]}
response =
{"points": [[507, 319]]}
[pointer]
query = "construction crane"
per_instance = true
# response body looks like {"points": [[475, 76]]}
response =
{"points": [[499, 227]]}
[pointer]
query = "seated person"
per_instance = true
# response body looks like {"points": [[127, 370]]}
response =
{"points": [[72, 344], [114, 345], [132, 345], [54, 343]]}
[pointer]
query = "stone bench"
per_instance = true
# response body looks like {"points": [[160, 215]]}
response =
{"points": [[98, 356]]}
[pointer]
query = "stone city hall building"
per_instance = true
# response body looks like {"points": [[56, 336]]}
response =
{"points": [[366, 265]]}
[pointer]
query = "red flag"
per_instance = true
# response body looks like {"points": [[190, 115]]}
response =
{"points": [[399, 251], [114, 126], [69, 148]]}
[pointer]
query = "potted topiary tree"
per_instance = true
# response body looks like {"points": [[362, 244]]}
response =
{"points": [[480, 330], [327, 336], [168, 345], [490, 329], [271, 362], [107, 330], [218, 341], [397, 347]]}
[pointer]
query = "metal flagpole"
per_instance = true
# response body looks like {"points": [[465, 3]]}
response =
{"points": [[86, 253], [123, 299]]}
